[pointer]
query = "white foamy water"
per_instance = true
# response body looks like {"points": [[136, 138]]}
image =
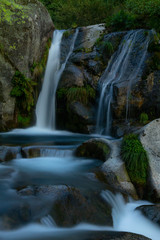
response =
{"points": [[52, 165], [45, 109], [126, 64], [126, 218]]}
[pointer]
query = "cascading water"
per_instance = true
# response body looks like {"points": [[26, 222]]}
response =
{"points": [[126, 64], [45, 109]]}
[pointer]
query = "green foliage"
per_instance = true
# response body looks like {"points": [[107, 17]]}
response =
{"points": [[122, 21], [79, 94], [135, 158], [23, 121], [23, 91], [117, 14], [109, 47], [147, 12], [143, 118], [71, 13], [66, 34]]}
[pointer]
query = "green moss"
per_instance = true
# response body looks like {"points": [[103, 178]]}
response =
{"points": [[12, 12], [135, 158], [93, 149]]}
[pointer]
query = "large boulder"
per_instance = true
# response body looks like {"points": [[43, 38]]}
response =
{"points": [[25, 27], [115, 172], [94, 148], [150, 139]]}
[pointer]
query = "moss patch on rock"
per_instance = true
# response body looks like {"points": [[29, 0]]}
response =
{"points": [[94, 148]]}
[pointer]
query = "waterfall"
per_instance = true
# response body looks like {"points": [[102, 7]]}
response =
{"points": [[126, 64], [45, 109], [126, 218]]}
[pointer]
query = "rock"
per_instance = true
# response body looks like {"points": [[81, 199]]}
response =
{"points": [[9, 153], [150, 139], [45, 151], [68, 205], [75, 207], [111, 235], [72, 76], [152, 212], [84, 68], [94, 148], [23, 37], [88, 36], [115, 172]]}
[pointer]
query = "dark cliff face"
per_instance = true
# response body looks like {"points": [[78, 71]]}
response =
{"points": [[91, 55], [77, 92], [25, 28]]}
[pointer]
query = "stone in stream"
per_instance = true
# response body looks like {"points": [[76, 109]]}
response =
{"points": [[8, 153], [108, 235], [152, 212], [69, 206], [150, 139], [94, 148]]}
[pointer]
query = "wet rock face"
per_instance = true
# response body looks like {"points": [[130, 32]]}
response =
{"points": [[144, 96], [150, 139], [84, 68], [23, 38]]}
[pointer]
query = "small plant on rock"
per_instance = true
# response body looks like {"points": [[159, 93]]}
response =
{"points": [[135, 158], [143, 118]]}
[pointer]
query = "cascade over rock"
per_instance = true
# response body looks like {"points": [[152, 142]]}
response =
{"points": [[25, 30], [120, 64], [83, 70]]}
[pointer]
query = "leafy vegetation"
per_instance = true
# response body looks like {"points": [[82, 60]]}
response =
{"points": [[143, 118], [79, 94], [135, 159], [117, 14], [23, 91]]}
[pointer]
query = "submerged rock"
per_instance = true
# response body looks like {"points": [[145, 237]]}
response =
{"points": [[150, 139], [8, 153], [114, 236], [94, 148]]}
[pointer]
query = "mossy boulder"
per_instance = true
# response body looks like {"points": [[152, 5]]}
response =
{"points": [[94, 148], [25, 27]]}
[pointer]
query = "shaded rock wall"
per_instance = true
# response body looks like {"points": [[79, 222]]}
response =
{"points": [[25, 30]]}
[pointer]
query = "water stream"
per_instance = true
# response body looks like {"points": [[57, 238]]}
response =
{"points": [[126, 64], [45, 108], [44, 167]]}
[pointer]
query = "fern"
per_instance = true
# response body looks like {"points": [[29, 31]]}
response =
{"points": [[135, 158]]}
